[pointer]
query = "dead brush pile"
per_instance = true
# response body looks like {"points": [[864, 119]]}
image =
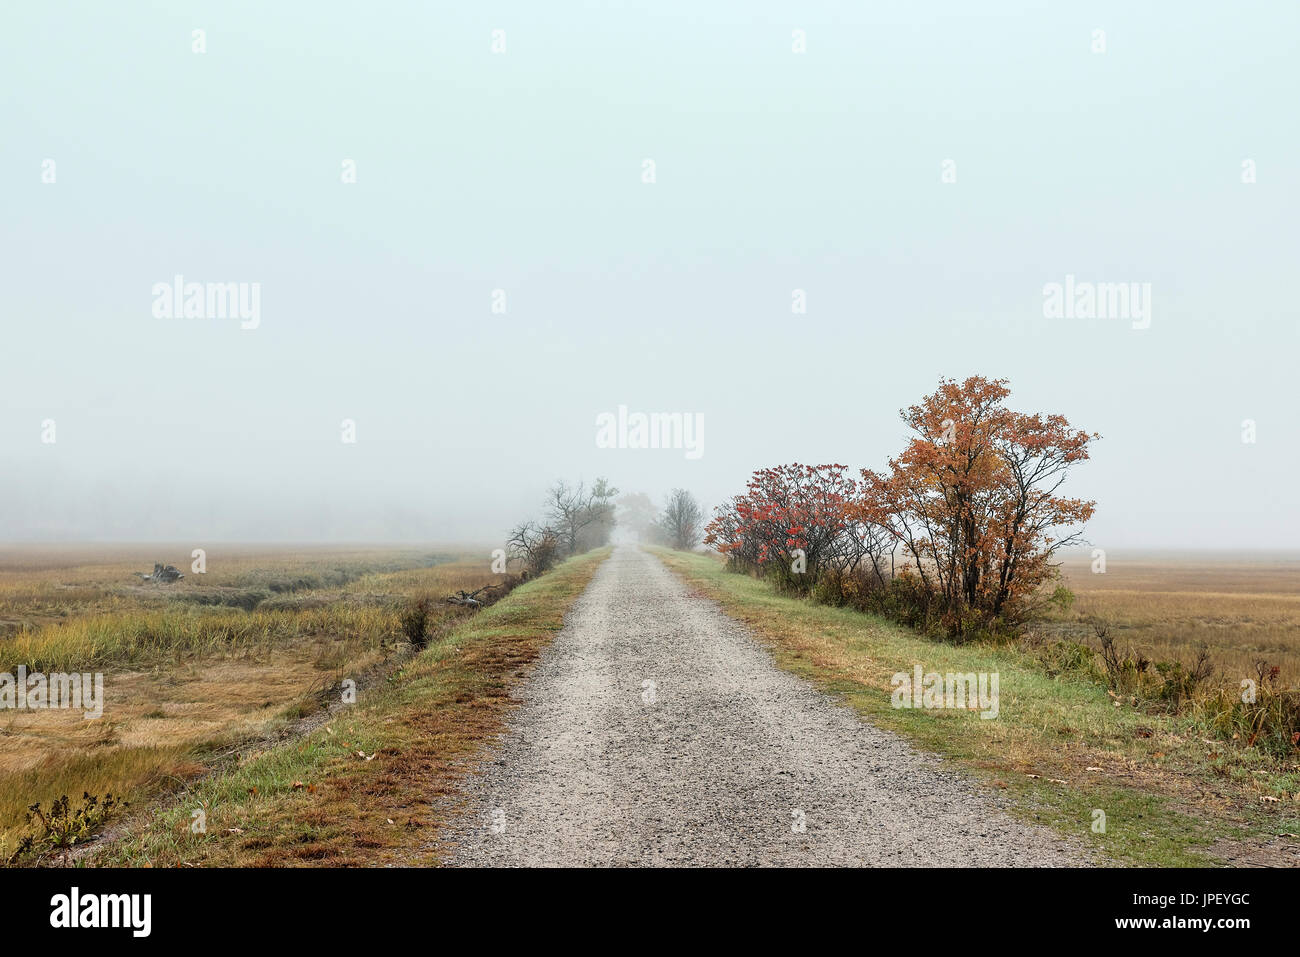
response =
{"points": [[424, 618]]}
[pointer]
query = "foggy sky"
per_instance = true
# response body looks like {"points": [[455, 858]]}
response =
{"points": [[522, 171]]}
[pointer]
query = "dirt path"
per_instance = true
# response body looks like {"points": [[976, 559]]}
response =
{"points": [[717, 763]]}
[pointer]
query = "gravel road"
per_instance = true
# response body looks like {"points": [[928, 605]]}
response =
{"points": [[723, 760]]}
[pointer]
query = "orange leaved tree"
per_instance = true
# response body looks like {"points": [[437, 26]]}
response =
{"points": [[973, 500]]}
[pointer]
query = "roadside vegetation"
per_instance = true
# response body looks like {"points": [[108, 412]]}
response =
{"points": [[957, 540], [1062, 746], [372, 784], [191, 678], [576, 519], [248, 666]]}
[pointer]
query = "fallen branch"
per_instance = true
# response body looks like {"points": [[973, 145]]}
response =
{"points": [[469, 599]]}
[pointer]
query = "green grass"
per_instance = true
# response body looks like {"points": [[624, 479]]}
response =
{"points": [[1165, 803]]}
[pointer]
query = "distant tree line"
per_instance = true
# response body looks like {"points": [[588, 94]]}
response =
{"points": [[578, 518]]}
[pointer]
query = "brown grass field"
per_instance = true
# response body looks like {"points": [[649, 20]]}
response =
{"points": [[1244, 608], [195, 670]]}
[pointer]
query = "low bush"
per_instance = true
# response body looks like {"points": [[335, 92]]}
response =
{"points": [[415, 621], [1264, 716], [62, 827]]}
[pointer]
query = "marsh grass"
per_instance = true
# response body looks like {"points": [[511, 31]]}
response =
{"points": [[189, 673], [97, 641], [1242, 608], [372, 786]]}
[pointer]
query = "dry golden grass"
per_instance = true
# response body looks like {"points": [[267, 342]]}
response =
{"points": [[42, 584], [1244, 608], [371, 787], [185, 680]]}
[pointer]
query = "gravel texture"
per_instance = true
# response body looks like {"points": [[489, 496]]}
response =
{"points": [[718, 764]]}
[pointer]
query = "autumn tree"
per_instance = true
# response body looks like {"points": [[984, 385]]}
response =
{"points": [[731, 534], [974, 499], [788, 509]]}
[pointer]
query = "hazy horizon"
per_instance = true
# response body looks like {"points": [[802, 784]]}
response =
{"points": [[522, 171]]}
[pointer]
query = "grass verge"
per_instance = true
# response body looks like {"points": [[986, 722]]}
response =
{"points": [[1060, 748], [370, 787]]}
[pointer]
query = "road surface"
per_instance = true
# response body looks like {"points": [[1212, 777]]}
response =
{"points": [[656, 731]]}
